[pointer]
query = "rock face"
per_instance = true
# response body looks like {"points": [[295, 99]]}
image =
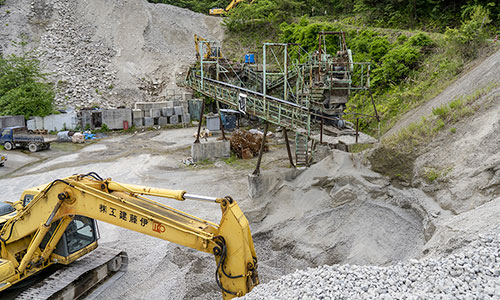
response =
{"points": [[106, 53]]}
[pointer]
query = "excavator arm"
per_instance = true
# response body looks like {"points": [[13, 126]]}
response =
{"points": [[220, 11], [124, 205]]}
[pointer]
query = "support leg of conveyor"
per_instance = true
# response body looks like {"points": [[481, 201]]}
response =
{"points": [[257, 168], [199, 123], [290, 158]]}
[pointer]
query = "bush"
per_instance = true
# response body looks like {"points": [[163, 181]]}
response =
{"points": [[471, 35]]}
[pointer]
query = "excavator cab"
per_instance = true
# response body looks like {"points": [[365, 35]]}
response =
{"points": [[81, 233]]}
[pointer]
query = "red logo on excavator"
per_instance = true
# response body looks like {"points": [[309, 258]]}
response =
{"points": [[158, 227]]}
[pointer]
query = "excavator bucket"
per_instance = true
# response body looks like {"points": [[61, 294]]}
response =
{"points": [[235, 253]]}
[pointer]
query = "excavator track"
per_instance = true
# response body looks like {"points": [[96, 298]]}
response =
{"points": [[78, 278]]}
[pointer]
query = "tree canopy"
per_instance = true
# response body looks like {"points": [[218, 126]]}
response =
{"points": [[23, 90]]}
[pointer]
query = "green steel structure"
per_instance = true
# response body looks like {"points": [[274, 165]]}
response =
{"points": [[295, 95]]}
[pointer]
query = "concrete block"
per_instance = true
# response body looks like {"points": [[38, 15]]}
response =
{"points": [[177, 103], [155, 112], [186, 118], [164, 112], [210, 150], [162, 121], [185, 106], [147, 113], [173, 119], [137, 113], [138, 122], [187, 96], [157, 105], [170, 112], [178, 110], [170, 104], [143, 105], [148, 121]]}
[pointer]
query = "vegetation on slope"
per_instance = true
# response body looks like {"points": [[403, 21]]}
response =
{"points": [[414, 14], [408, 67]]}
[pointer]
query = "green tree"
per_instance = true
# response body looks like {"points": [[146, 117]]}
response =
{"points": [[23, 90]]}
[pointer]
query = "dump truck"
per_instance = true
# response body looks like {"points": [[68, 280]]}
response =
{"points": [[19, 137], [55, 224]]}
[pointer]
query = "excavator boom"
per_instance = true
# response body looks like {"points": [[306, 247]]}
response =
{"points": [[29, 239]]}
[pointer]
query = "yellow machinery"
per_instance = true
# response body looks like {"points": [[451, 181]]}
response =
{"points": [[221, 11], [209, 51], [54, 224]]}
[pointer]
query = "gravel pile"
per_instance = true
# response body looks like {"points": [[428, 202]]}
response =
{"points": [[471, 273], [80, 65]]}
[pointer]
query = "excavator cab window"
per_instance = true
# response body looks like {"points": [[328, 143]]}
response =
{"points": [[27, 199], [80, 233]]}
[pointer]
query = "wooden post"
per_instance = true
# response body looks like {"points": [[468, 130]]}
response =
{"points": [[357, 129], [199, 123], [321, 132], [257, 168], [290, 158], [220, 120]]}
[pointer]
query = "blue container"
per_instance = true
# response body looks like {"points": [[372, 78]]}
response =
{"points": [[250, 58], [229, 121]]}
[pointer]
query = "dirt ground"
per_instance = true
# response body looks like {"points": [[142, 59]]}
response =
{"points": [[157, 269], [286, 221]]}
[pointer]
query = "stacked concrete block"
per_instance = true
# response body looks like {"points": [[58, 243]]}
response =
{"points": [[137, 117], [178, 110], [139, 122], [155, 112], [162, 121], [164, 112], [148, 121], [173, 119], [173, 111]]}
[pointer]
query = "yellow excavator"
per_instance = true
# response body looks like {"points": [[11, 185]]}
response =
{"points": [[223, 11], [209, 51], [55, 224]]}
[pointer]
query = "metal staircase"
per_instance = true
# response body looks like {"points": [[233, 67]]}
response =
{"points": [[301, 150]]}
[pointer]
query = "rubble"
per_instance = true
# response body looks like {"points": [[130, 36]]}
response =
{"points": [[247, 144]]}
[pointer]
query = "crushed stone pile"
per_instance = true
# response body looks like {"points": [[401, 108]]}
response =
{"points": [[80, 65], [472, 273]]}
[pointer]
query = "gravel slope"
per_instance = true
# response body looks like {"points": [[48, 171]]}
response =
{"points": [[107, 52], [473, 273]]}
